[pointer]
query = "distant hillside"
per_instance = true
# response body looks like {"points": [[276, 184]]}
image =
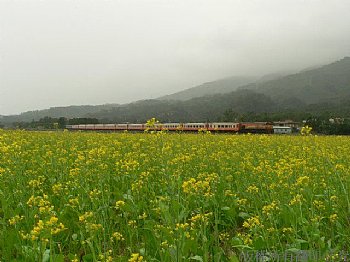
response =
{"points": [[324, 90], [207, 108], [67, 111], [328, 83], [221, 86]]}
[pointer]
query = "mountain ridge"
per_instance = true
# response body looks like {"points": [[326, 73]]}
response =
{"points": [[328, 85]]}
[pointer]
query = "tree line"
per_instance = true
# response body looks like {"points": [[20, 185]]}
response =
{"points": [[54, 123]]}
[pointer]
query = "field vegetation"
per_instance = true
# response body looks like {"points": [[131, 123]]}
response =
{"points": [[170, 197]]}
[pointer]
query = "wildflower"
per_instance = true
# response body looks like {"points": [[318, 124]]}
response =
{"points": [[119, 204], [242, 202], [85, 216], [252, 222], [117, 236], [53, 220], [303, 180], [132, 223], [271, 229], [247, 238], [135, 257], [56, 188], [143, 216], [306, 130], [73, 202], [57, 229], [182, 226], [223, 237], [333, 218], [200, 218], [253, 189], [91, 227], [287, 230], [319, 204], [14, 220], [94, 194], [297, 199], [269, 208]]}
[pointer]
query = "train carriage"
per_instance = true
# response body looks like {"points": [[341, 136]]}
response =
{"points": [[223, 127], [244, 127]]}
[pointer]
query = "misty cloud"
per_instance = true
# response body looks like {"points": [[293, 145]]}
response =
{"points": [[58, 52]]}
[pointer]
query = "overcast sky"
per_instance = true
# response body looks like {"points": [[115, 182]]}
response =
{"points": [[64, 52]]}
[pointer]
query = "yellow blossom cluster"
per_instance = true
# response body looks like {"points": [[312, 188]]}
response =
{"points": [[74, 196]]}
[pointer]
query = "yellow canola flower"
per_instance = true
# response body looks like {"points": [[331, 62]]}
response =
{"points": [[297, 199], [303, 180], [118, 236], [119, 204], [14, 220], [253, 189], [252, 222], [85, 216], [268, 209], [135, 257], [53, 220], [333, 218]]}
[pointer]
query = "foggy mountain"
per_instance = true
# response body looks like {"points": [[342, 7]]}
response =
{"points": [[221, 86], [327, 83], [316, 90]]}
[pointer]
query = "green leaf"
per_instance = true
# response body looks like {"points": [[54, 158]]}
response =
{"points": [[198, 258], [88, 258], [142, 251], [293, 250], [234, 258], [58, 258], [243, 215], [46, 255], [235, 241], [303, 244], [259, 243]]}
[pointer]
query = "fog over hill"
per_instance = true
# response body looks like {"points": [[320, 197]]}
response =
{"points": [[323, 84], [220, 86], [60, 53], [324, 89]]}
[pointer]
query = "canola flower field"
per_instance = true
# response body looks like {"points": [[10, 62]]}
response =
{"points": [[170, 197]]}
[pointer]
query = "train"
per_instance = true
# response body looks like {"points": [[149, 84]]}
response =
{"points": [[227, 127]]}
